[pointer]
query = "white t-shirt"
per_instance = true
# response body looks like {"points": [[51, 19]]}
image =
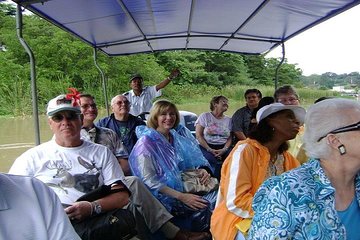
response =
{"points": [[31, 211], [70, 172], [216, 131], [142, 103]]}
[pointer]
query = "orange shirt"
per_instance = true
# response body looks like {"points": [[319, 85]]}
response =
{"points": [[243, 171]]}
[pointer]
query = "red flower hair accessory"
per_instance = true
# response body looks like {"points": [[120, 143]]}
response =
{"points": [[74, 96]]}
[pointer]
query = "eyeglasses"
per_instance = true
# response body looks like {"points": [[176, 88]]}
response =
{"points": [[122, 102], [286, 100], [71, 116], [86, 106], [351, 127]]}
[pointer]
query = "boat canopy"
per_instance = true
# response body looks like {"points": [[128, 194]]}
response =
{"points": [[122, 27]]}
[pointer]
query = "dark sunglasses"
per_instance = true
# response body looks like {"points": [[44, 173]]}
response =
{"points": [[348, 128], [69, 116]]}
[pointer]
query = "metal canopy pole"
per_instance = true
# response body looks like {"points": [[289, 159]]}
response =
{"points": [[103, 82], [278, 67], [19, 27]]}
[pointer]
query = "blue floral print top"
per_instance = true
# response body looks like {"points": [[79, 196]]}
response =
{"points": [[299, 204]]}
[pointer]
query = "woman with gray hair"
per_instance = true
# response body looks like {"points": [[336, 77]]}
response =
{"points": [[320, 199]]}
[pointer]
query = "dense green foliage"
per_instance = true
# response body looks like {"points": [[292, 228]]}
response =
{"points": [[63, 61]]}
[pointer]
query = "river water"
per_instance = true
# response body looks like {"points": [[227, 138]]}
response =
{"points": [[18, 136]]}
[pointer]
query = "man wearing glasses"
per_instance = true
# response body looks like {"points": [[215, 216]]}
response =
{"points": [[287, 95], [122, 122]]}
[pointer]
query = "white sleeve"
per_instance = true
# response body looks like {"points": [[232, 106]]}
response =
{"points": [[111, 169], [55, 218], [153, 93], [22, 165]]}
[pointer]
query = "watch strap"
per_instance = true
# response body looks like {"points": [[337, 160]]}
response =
{"points": [[96, 207]]}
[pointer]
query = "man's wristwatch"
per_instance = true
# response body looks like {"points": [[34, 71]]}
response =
{"points": [[96, 208]]}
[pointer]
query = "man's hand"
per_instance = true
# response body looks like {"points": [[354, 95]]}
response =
{"points": [[79, 210]]}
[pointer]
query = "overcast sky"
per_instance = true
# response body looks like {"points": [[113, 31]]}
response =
{"points": [[331, 46]]}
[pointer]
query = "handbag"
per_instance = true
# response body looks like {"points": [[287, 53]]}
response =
{"points": [[111, 225], [192, 184], [118, 224]]}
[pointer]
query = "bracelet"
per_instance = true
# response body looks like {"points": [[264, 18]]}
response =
{"points": [[226, 148], [91, 208], [208, 149], [169, 78]]}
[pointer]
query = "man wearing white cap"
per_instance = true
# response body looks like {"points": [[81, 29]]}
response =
{"points": [[262, 155], [140, 97], [72, 167]]}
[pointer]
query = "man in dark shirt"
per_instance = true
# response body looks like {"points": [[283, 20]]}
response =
{"points": [[122, 122], [241, 119]]}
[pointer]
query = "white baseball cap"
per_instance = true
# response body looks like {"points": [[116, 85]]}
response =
{"points": [[62, 103], [277, 107]]}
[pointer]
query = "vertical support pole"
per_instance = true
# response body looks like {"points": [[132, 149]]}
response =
{"points": [[103, 82], [278, 67], [19, 27]]}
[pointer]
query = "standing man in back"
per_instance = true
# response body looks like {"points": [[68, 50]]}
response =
{"points": [[141, 97], [241, 119]]}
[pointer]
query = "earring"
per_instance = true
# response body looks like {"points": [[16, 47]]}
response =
{"points": [[342, 149]]}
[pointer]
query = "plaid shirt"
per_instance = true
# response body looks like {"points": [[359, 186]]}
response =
{"points": [[106, 137]]}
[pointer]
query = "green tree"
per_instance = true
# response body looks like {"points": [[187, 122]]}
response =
{"points": [[287, 74], [257, 70]]}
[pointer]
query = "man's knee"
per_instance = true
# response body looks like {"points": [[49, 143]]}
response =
{"points": [[135, 184], [131, 179]]}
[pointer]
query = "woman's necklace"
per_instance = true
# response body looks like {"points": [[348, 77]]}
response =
{"points": [[274, 158], [276, 165], [272, 170]]}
